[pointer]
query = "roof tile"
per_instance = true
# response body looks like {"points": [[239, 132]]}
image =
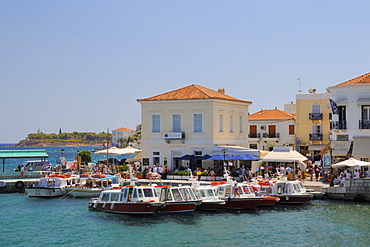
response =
{"points": [[271, 114], [192, 92], [363, 79]]}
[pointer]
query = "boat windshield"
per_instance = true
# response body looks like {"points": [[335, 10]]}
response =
{"points": [[149, 192], [201, 193], [176, 195], [105, 197], [210, 192], [114, 197], [187, 194]]}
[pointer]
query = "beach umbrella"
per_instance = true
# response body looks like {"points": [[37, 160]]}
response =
{"points": [[351, 162]]}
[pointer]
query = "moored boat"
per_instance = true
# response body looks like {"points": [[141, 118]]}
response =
{"points": [[289, 192], [92, 185], [210, 201], [52, 186], [177, 199], [131, 199]]}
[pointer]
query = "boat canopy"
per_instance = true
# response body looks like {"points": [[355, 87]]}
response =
{"points": [[17, 154]]}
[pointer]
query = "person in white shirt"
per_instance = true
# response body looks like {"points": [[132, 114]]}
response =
{"points": [[357, 174]]}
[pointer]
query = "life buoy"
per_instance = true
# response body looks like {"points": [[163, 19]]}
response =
{"points": [[329, 178], [19, 185]]}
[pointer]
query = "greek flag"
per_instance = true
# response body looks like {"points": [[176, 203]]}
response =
{"points": [[334, 107]]}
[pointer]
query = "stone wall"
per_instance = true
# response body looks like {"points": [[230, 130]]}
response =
{"points": [[353, 189]]}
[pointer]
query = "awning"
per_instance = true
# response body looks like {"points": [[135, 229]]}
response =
{"points": [[325, 149], [17, 154], [363, 101], [361, 147], [235, 150], [138, 157], [340, 148], [315, 147]]}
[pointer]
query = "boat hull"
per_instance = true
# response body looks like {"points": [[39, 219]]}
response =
{"points": [[80, 192], [241, 203], [45, 192], [177, 207], [268, 201], [126, 208], [294, 199], [209, 206]]}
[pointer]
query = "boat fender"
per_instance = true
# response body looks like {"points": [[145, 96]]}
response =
{"points": [[19, 185], [287, 198], [104, 204], [112, 206], [95, 204]]}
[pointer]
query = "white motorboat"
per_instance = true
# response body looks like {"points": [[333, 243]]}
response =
{"points": [[88, 185], [52, 186]]}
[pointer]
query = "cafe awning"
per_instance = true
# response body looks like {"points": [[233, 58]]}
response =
{"points": [[361, 147]]}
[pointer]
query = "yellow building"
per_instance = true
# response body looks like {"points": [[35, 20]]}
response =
{"points": [[312, 123]]}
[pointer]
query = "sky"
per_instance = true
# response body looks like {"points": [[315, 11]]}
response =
{"points": [[81, 65]]}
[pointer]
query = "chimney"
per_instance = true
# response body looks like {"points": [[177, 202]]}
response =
{"points": [[221, 90]]}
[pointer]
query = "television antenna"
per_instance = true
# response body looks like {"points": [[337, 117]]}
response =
{"points": [[299, 84]]}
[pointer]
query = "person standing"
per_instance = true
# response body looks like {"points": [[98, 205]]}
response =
{"points": [[22, 171]]}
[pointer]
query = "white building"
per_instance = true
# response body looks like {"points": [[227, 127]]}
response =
{"points": [[271, 128], [121, 133], [192, 120], [352, 124]]}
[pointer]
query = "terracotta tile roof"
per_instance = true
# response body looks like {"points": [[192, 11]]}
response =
{"points": [[363, 79], [193, 92], [271, 114], [124, 129]]}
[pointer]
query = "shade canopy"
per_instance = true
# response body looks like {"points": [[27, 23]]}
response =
{"points": [[118, 151], [243, 157], [284, 154], [219, 157], [351, 162], [16, 154]]}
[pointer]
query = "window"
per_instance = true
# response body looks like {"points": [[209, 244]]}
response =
{"points": [[365, 112], [231, 124], [221, 123], [291, 129], [316, 108], [176, 122], [241, 130], [198, 122], [156, 123], [253, 146], [316, 128]]}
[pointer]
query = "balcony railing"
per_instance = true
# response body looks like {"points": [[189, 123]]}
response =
{"points": [[271, 135], [364, 124], [254, 135], [338, 125], [315, 137], [315, 116]]}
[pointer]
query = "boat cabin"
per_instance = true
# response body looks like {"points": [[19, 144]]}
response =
{"points": [[36, 165], [178, 193], [130, 194], [289, 188]]}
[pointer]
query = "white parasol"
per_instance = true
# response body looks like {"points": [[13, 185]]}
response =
{"points": [[351, 162], [118, 151]]}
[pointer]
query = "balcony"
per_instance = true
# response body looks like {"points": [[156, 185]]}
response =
{"points": [[254, 135], [364, 124], [316, 137], [315, 116], [271, 135], [338, 125]]}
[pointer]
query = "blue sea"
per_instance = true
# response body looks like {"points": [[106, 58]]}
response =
{"points": [[68, 222], [56, 152]]}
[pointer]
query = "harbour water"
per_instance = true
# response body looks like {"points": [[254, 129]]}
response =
{"points": [[68, 222]]}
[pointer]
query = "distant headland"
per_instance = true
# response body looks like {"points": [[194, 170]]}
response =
{"points": [[64, 139]]}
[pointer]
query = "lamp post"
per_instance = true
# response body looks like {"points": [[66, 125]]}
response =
{"points": [[224, 150], [62, 151]]}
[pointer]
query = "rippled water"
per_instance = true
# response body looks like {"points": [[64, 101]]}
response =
{"points": [[68, 222]]}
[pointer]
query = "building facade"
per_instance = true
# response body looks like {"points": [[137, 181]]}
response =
{"points": [[123, 133], [312, 123], [192, 120], [350, 129], [271, 128]]}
